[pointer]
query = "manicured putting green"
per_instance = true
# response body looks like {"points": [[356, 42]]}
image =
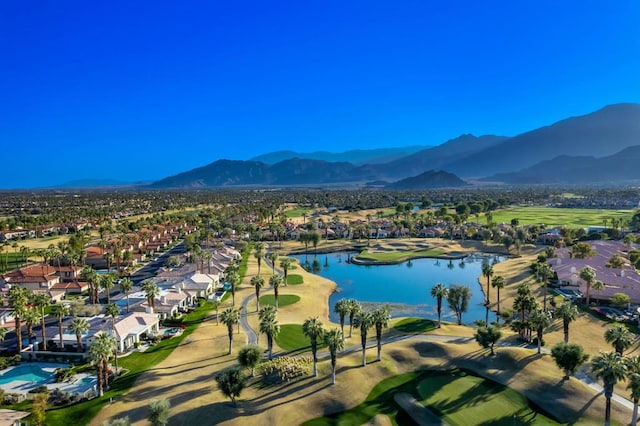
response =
{"points": [[291, 338], [458, 396], [398, 256], [415, 325], [294, 279], [283, 299], [482, 400]]}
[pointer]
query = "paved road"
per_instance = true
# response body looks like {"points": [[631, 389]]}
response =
{"points": [[151, 269]]}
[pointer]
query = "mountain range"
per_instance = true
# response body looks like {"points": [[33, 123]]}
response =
{"points": [[600, 147]]}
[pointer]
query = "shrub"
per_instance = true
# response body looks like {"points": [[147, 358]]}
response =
{"points": [[285, 369]]}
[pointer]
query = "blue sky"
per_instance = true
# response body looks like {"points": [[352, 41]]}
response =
{"points": [[142, 90]]}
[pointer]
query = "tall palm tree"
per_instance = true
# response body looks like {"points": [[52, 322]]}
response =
{"points": [[439, 291], [273, 258], [498, 283], [354, 308], [31, 317], [620, 337], [258, 253], [335, 343], [598, 286], [588, 275], [113, 311], [286, 264], [545, 272], [41, 302], [79, 326], [609, 367], [230, 317], [312, 328], [89, 275], [60, 310], [364, 321], [275, 281], [568, 312], [151, 291], [269, 326], [633, 383], [487, 272], [342, 309], [380, 320], [257, 282], [18, 297], [126, 285], [100, 351], [233, 277], [540, 320], [107, 283]]}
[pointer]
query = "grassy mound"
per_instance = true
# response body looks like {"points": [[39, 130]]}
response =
{"points": [[415, 325], [397, 256], [294, 279], [283, 299], [291, 338]]}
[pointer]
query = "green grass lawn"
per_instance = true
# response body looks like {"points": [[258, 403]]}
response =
{"points": [[415, 325], [458, 396], [482, 400], [294, 279], [283, 299], [398, 256], [550, 216], [297, 212], [291, 338]]}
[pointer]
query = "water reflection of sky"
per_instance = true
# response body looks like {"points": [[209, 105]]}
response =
{"points": [[405, 287]]}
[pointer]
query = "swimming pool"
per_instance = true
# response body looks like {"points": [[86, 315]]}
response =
{"points": [[27, 373]]}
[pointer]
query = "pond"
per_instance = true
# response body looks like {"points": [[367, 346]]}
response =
{"points": [[405, 287]]}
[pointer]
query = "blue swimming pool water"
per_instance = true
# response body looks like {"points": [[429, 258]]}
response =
{"points": [[405, 287], [27, 373]]}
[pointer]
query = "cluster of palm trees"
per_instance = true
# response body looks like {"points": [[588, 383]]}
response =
{"points": [[457, 297]]}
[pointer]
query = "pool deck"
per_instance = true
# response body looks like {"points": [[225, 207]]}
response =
{"points": [[77, 384]]}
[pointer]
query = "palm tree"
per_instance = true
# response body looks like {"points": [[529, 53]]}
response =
{"points": [[545, 272], [107, 283], [620, 337], [598, 286], [633, 383], [487, 272], [286, 264], [257, 282], [42, 301], [232, 277], [312, 328], [151, 291], [440, 292], [89, 275], [354, 308], [60, 310], [273, 257], [18, 297], [540, 320], [498, 283], [335, 343], [258, 253], [270, 327], [380, 320], [113, 311], [230, 317], [609, 367], [458, 300], [31, 317], [568, 312], [342, 308], [100, 352], [79, 326], [364, 321], [275, 281], [126, 285], [588, 275]]}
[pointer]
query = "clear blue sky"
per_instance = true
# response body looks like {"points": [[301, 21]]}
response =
{"points": [[140, 90]]}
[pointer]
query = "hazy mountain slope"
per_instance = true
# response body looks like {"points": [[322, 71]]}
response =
{"points": [[218, 173], [356, 156], [431, 158], [429, 180], [621, 167], [600, 133]]}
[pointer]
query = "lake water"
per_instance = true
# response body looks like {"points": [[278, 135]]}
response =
{"points": [[405, 287]]}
